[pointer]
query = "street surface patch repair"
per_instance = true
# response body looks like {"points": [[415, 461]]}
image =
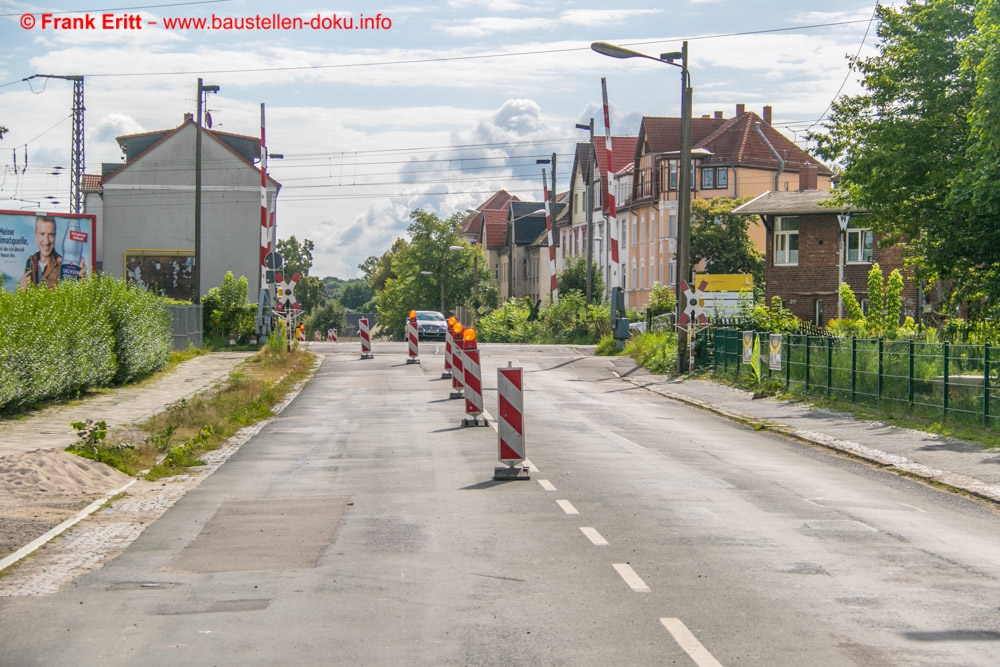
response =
{"points": [[263, 534]]}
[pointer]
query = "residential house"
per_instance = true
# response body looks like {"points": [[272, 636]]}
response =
{"points": [[487, 227], [525, 239], [146, 210], [734, 157], [573, 231], [803, 238]]}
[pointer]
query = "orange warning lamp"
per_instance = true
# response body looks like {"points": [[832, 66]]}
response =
{"points": [[451, 320], [413, 314], [457, 328], [469, 334]]}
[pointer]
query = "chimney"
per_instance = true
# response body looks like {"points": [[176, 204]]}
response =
{"points": [[718, 115], [807, 176], [741, 109], [767, 115], [188, 117]]}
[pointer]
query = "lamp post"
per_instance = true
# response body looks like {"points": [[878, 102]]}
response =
{"points": [[684, 180], [202, 90]]}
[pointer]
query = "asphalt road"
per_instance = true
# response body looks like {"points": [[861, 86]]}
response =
{"points": [[362, 527]]}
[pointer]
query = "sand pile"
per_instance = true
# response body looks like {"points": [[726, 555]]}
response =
{"points": [[41, 488]]}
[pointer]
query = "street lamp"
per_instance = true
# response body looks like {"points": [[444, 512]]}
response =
{"points": [[202, 91], [684, 180]]}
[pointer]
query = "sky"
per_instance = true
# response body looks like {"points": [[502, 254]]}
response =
{"points": [[432, 105]]}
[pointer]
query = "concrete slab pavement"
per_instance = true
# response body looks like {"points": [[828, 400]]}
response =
{"points": [[963, 465], [50, 428]]}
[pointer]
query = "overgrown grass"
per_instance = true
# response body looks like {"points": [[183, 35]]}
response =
{"points": [[174, 440], [654, 351]]}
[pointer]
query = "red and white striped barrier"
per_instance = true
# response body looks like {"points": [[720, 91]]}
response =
{"points": [[317, 336], [447, 357], [366, 339], [331, 335], [457, 369], [510, 424], [473, 387], [413, 341]]}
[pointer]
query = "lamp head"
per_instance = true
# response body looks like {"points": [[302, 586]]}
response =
{"points": [[672, 56]]}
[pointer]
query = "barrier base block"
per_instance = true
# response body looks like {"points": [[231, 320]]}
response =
{"points": [[457, 394], [475, 421], [510, 473], [413, 360], [367, 356], [446, 375]]}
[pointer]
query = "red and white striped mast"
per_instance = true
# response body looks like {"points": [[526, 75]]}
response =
{"points": [[553, 282], [609, 205]]}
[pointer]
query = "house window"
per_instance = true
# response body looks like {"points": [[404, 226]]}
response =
{"points": [[642, 273], [819, 312], [642, 224], [859, 246], [864, 307], [633, 274], [708, 178], [786, 241], [672, 273], [672, 225], [722, 178], [634, 235], [673, 175]]}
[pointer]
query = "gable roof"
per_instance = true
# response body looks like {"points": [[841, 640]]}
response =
{"points": [[736, 142], [218, 137], [796, 202], [91, 182], [473, 224], [663, 135], [496, 227]]}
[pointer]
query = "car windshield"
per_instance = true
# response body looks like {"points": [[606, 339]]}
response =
{"points": [[430, 317]]}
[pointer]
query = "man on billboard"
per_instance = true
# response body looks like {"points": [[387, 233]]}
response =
{"points": [[45, 266]]}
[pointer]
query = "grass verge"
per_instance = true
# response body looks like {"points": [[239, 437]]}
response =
{"points": [[172, 441]]}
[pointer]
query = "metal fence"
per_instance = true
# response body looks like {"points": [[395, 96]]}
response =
{"points": [[943, 381]]}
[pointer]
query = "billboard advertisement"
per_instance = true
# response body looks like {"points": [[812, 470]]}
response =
{"points": [[169, 274], [45, 248]]}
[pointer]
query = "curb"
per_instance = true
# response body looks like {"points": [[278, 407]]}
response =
{"points": [[237, 440], [955, 482]]}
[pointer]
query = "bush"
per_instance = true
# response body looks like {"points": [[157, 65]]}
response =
{"points": [[227, 310], [566, 322], [80, 335], [656, 352]]}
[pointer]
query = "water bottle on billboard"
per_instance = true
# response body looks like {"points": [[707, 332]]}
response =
{"points": [[72, 250]]}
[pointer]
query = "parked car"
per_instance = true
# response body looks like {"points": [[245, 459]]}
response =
{"points": [[431, 325]]}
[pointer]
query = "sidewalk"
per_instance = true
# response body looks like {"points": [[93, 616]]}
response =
{"points": [[50, 428], [955, 463]]}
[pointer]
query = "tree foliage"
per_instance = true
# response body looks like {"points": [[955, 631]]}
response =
{"points": [[328, 316], [920, 146], [355, 293], [574, 279], [722, 239], [227, 310], [297, 256]]}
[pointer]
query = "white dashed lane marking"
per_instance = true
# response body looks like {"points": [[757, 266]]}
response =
{"points": [[689, 643], [594, 536], [631, 578], [567, 506], [547, 485]]}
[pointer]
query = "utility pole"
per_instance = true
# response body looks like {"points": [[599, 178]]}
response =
{"points": [[197, 190], [77, 141], [684, 208]]}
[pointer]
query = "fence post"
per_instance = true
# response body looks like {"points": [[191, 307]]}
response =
{"points": [[944, 400], [786, 342], [829, 366], [986, 385], [808, 341], [878, 398], [910, 389], [854, 366]]}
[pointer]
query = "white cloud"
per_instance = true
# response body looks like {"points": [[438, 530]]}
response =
{"points": [[603, 17]]}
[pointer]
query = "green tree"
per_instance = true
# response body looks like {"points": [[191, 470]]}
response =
{"points": [[355, 294], [328, 316], [310, 292], [227, 310], [574, 279], [918, 147], [722, 239], [876, 300], [3, 131], [378, 268], [427, 271], [297, 256]]}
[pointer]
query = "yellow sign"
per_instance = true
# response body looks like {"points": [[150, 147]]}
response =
{"points": [[725, 282]]}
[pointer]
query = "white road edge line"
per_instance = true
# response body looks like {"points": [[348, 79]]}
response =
{"points": [[65, 525], [567, 506], [631, 578], [689, 643], [595, 537], [547, 485]]}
